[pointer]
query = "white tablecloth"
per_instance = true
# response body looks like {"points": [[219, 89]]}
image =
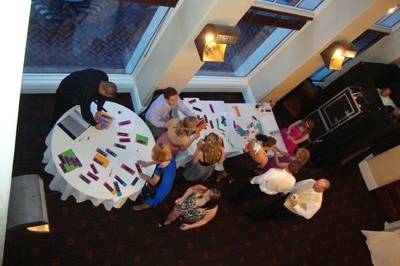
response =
{"points": [[224, 118], [84, 147]]}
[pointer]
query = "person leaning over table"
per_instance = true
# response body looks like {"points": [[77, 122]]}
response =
{"points": [[209, 152], [254, 157], [163, 109], [304, 200], [82, 88], [282, 159], [163, 177], [179, 135], [197, 207]]}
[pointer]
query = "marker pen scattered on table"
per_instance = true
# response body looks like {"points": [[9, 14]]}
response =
{"points": [[84, 178], [102, 152], [93, 176], [122, 134], [211, 124], [197, 109], [128, 169], [134, 181], [109, 188], [120, 146], [211, 108], [126, 122], [93, 168], [122, 182], [119, 193], [111, 152]]}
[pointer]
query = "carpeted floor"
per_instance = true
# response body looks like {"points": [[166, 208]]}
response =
{"points": [[84, 235]]}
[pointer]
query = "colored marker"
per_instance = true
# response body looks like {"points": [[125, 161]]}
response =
{"points": [[111, 152], [211, 124], [192, 101], [211, 108], [93, 168], [197, 109], [84, 178], [109, 188], [126, 122], [122, 134], [255, 118], [128, 169], [120, 146], [119, 193], [124, 140], [122, 182], [102, 152], [93, 176], [134, 181], [205, 118]]}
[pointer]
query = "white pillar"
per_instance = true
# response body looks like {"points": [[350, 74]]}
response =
{"points": [[300, 56], [174, 60], [14, 17]]}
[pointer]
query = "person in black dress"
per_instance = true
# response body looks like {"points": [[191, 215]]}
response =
{"points": [[82, 88]]}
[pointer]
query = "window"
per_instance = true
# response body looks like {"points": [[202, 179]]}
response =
{"points": [[391, 20], [255, 43], [362, 43], [303, 4], [106, 34]]}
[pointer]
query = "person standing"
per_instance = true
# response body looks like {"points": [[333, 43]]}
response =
{"points": [[305, 200], [209, 152], [163, 110], [163, 177], [82, 88]]}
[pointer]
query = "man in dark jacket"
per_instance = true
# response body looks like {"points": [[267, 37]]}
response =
{"points": [[82, 88]]}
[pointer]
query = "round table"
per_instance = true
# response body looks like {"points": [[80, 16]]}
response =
{"points": [[85, 148]]}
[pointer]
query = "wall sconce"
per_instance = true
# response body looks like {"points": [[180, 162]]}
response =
{"points": [[212, 40], [335, 54]]}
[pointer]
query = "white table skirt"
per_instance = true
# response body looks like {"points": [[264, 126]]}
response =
{"points": [[60, 185], [69, 188]]}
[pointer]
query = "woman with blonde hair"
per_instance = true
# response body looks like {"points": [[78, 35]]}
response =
{"points": [[163, 177], [283, 159], [179, 135], [209, 152]]}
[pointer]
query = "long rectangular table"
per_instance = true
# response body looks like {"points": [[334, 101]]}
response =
{"points": [[236, 124]]}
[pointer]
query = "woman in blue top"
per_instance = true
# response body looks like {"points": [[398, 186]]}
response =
{"points": [[163, 177]]}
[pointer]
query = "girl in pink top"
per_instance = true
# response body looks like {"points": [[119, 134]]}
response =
{"points": [[297, 133]]}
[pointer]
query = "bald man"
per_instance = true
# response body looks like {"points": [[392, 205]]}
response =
{"points": [[82, 88], [304, 200]]}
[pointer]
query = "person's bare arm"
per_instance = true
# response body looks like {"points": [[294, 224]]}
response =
{"points": [[152, 180], [197, 156], [300, 140], [279, 163], [206, 219], [298, 122]]}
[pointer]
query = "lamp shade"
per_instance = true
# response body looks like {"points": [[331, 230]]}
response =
{"points": [[212, 41], [336, 53]]}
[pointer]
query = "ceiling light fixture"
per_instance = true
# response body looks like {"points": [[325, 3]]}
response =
{"points": [[335, 54], [212, 41]]}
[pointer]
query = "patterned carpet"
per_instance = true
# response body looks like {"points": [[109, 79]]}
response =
{"points": [[84, 235]]}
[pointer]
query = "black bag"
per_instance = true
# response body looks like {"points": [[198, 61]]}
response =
{"points": [[148, 191]]}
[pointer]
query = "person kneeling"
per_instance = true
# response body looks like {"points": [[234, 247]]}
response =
{"points": [[197, 207]]}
